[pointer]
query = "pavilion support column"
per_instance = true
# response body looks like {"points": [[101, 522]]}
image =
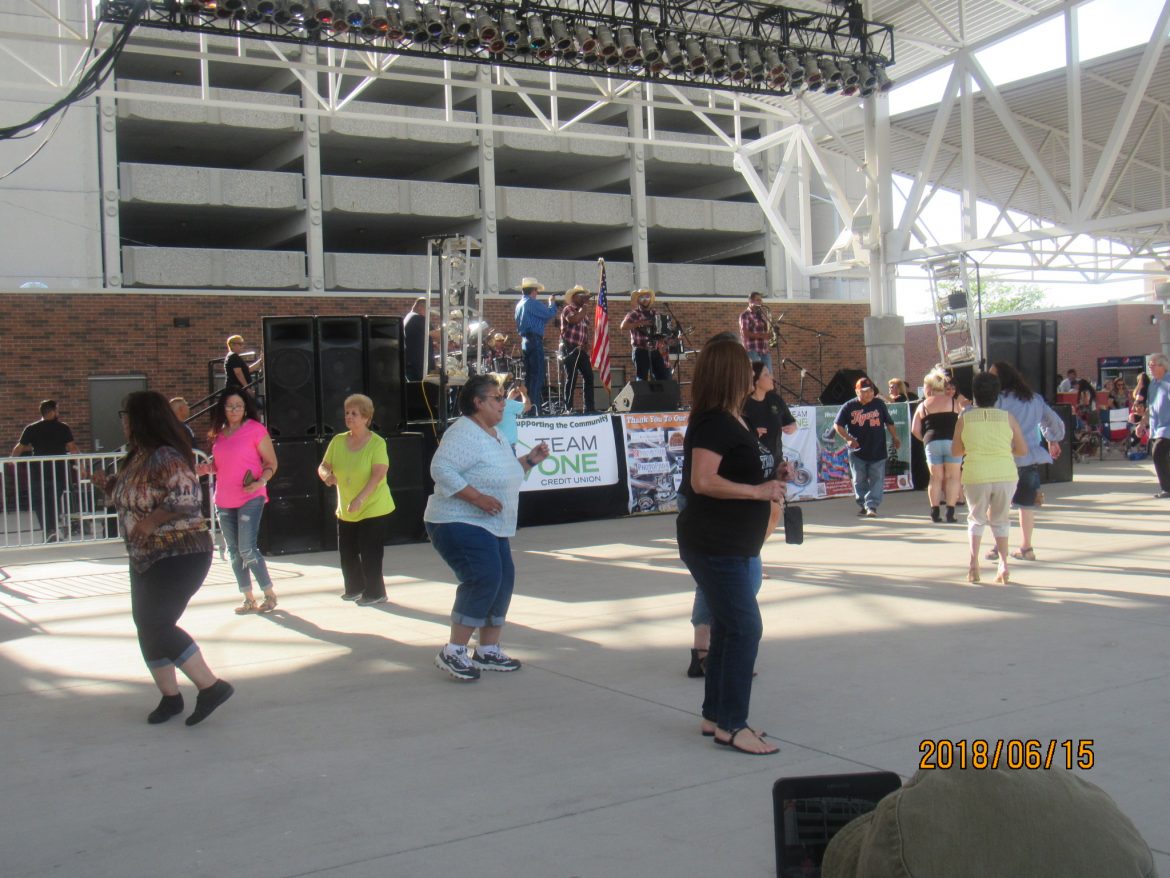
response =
{"points": [[885, 330]]}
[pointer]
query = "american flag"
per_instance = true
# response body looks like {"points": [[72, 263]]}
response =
{"points": [[600, 356]]}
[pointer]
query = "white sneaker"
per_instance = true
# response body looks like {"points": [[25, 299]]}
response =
{"points": [[458, 665]]}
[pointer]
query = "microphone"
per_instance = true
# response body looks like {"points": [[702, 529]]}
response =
{"points": [[781, 317]]}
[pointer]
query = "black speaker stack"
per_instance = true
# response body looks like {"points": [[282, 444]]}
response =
{"points": [[1029, 344], [311, 365], [841, 387]]}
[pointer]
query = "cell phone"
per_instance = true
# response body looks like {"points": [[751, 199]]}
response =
{"points": [[248, 477], [809, 811]]}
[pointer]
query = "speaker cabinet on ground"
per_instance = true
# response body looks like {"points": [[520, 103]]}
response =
{"points": [[339, 368], [648, 396], [290, 377], [385, 372], [1061, 469], [840, 388], [292, 517], [409, 466]]}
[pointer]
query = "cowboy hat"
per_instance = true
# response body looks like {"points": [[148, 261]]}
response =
{"points": [[497, 335], [577, 291], [637, 294], [528, 283]]}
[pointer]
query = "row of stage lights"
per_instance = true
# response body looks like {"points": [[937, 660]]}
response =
{"points": [[429, 26]]}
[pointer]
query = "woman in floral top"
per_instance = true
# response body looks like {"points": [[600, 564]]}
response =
{"points": [[156, 494]]}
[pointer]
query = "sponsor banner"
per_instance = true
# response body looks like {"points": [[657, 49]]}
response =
{"points": [[582, 452], [654, 459], [800, 451], [833, 478]]}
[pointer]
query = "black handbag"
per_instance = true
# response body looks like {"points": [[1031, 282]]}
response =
{"points": [[793, 524]]}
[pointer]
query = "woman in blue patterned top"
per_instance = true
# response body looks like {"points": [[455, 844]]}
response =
{"points": [[469, 519]]}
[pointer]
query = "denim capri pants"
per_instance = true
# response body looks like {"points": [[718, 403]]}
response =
{"points": [[482, 562]]}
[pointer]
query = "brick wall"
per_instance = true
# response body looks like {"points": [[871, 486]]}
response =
{"points": [[54, 342], [1082, 335]]}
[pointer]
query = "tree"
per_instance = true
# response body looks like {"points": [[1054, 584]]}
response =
{"points": [[1002, 297]]}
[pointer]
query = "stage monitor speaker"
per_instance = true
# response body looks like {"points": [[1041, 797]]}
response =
{"points": [[840, 388], [408, 486], [1061, 469], [385, 371], [648, 396], [339, 368], [290, 377]]}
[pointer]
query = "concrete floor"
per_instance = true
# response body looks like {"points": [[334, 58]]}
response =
{"points": [[346, 754]]}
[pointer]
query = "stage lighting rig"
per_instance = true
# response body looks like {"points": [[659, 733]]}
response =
{"points": [[741, 45]]}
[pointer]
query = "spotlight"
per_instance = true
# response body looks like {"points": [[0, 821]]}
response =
{"points": [[537, 35], [848, 74], [394, 30], [696, 60], [883, 80], [339, 21], [266, 8], [673, 54], [486, 26], [716, 59], [586, 40], [523, 40], [606, 42], [793, 66], [355, 16], [627, 44], [734, 62], [377, 20], [433, 16], [509, 30], [461, 22], [813, 77], [650, 48], [562, 41], [755, 64], [865, 76], [281, 13], [323, 15], [408, 13], [777, 72], [831, 74]]}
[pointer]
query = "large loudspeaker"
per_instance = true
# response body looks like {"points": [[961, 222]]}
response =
{"points": [[339, 368], [648, 396], [292, 516], [385, 371], [1029, 345], [408, 486], [840, 388], [290, 377]]}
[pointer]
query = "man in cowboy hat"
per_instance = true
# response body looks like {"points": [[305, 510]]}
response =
{"points": [[574, 344], [640, 323], [531, 318]]}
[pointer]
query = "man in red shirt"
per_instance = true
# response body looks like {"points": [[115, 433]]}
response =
{"points": [[755, 331]]}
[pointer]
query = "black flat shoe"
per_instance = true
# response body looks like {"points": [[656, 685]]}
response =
{"points": [[170, 705], [209, 699], [698, 666]]}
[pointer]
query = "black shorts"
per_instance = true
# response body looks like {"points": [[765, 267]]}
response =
{"points": [[1027, 486]]}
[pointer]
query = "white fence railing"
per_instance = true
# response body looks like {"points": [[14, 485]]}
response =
{"points": [[51, 500]]}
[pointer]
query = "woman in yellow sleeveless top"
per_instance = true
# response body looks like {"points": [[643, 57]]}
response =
{"points": [[988, 439]]}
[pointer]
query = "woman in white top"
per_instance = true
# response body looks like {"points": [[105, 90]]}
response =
{"points": [[469, 519]]}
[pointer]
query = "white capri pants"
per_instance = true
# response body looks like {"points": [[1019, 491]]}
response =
{"points": [[990, 503]]}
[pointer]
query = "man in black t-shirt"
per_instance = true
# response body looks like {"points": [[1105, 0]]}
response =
{"points": [[862, 423], [47, 437]]}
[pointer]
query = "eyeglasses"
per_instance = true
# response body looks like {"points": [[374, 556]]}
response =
{"points": [[498, 397], [233, 408], [122, 413]]}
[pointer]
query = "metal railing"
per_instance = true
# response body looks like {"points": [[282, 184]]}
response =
{"points": [[52, 500]]}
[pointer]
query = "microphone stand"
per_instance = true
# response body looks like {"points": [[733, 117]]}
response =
{"points": [[820, 336], [804, 373], [684, 345]]}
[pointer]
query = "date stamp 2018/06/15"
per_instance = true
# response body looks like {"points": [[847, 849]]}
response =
{"points": [[944, 753]]}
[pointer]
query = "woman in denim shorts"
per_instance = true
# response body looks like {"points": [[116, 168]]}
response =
{"points": [[934, 426], [1043, 429]]}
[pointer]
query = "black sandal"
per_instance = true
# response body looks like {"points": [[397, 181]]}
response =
{"points": [[730, 742]]}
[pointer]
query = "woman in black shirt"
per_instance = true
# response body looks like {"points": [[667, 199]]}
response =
{"points": [[729, 485]]}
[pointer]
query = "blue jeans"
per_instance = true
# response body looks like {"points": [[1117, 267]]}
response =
{"points": [[483, 564], [701, 612], [869, 480], [729, 583], [532, 347], [765, 358], [240, 529]]}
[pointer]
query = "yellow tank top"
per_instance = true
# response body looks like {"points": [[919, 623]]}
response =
{"points": [[987, 447]]}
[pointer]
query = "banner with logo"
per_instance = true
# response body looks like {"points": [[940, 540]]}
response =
{"points": [[582, 452], [833, 479], [800, 451], [654, 459]]}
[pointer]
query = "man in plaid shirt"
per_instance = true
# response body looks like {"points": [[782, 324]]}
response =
{"points": [[640, 324], [574, 347], [755, 331]]}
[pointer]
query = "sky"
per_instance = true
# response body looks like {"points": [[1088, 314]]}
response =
{"points": [[1106, 26]]}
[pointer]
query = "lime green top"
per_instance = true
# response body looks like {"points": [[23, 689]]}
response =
{"points": [[987, 447], [352, 470]]}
